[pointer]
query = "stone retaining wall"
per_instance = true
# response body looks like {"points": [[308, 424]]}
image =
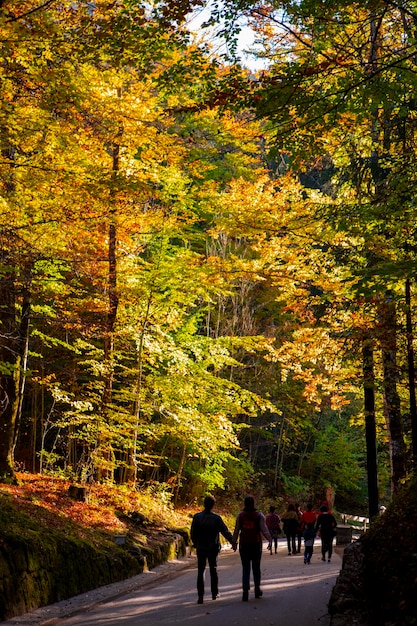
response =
{"points": [[347, 602], [34, 575]]}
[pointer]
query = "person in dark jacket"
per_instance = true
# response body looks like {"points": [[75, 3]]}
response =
{"points": [[205, 530], [250, 526], [273, 522], [326, 524], [290, 522], [299, 512]]}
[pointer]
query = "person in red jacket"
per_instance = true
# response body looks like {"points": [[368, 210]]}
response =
{"points": [[308, 517], [326, 503], [250, 526]]}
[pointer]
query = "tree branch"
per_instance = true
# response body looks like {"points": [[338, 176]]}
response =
{"points": [[39, 8]]}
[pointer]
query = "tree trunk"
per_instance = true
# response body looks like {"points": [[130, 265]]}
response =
{"points": [[388, 341], [280, 453], [23, 340], [113, 302], [178, 475], [13, 350], [386, 307], [138, 404], [370, 427], [411, 371]]}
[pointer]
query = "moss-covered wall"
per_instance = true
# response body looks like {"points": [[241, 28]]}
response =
{"points": [[35, 573], [40, 565]]}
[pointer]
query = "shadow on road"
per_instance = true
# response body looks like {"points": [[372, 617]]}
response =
{"points": [[294, 594]]}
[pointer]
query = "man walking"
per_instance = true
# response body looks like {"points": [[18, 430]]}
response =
{"points": [[205, 529]]}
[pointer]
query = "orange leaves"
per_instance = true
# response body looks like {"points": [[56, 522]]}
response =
{"points": [[46, 500], [50, 495]]}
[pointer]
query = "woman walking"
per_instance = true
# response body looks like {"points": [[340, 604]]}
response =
{"points": [[250, 526], [290, 521]]}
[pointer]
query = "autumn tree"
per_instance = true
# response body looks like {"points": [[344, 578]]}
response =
{"points": [[114, 198], [337, 95], [64, 171], [184, 287]]}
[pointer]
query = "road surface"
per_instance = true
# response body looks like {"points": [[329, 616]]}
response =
{"points": [[294, 594]]}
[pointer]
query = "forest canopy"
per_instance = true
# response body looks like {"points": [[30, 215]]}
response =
{"points": [[207, 270]]}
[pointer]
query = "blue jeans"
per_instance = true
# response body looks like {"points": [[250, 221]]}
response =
{"points": [[210, 555], [308, 553], [250, 554]]}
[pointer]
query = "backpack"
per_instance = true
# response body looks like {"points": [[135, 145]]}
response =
{"points": [[273, 522], [250, 527]]}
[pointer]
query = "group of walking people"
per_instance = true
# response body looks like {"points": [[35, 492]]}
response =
{"points": [[305, 525], [250, 527]]}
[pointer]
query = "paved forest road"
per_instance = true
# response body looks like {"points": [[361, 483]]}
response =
{"points": [[294, 594]]}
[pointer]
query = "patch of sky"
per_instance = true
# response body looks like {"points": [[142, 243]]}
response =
{"points": [[244, 48]]}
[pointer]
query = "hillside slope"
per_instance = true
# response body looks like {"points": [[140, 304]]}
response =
{"points": [[53, 547]]}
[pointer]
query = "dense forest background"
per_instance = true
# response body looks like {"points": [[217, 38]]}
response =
{"points": [[207, 270]]}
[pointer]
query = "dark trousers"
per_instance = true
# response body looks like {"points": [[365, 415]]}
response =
{"points": [[327, 545], [203, 556], [291, 543], [274, 536], [250, 555]]}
